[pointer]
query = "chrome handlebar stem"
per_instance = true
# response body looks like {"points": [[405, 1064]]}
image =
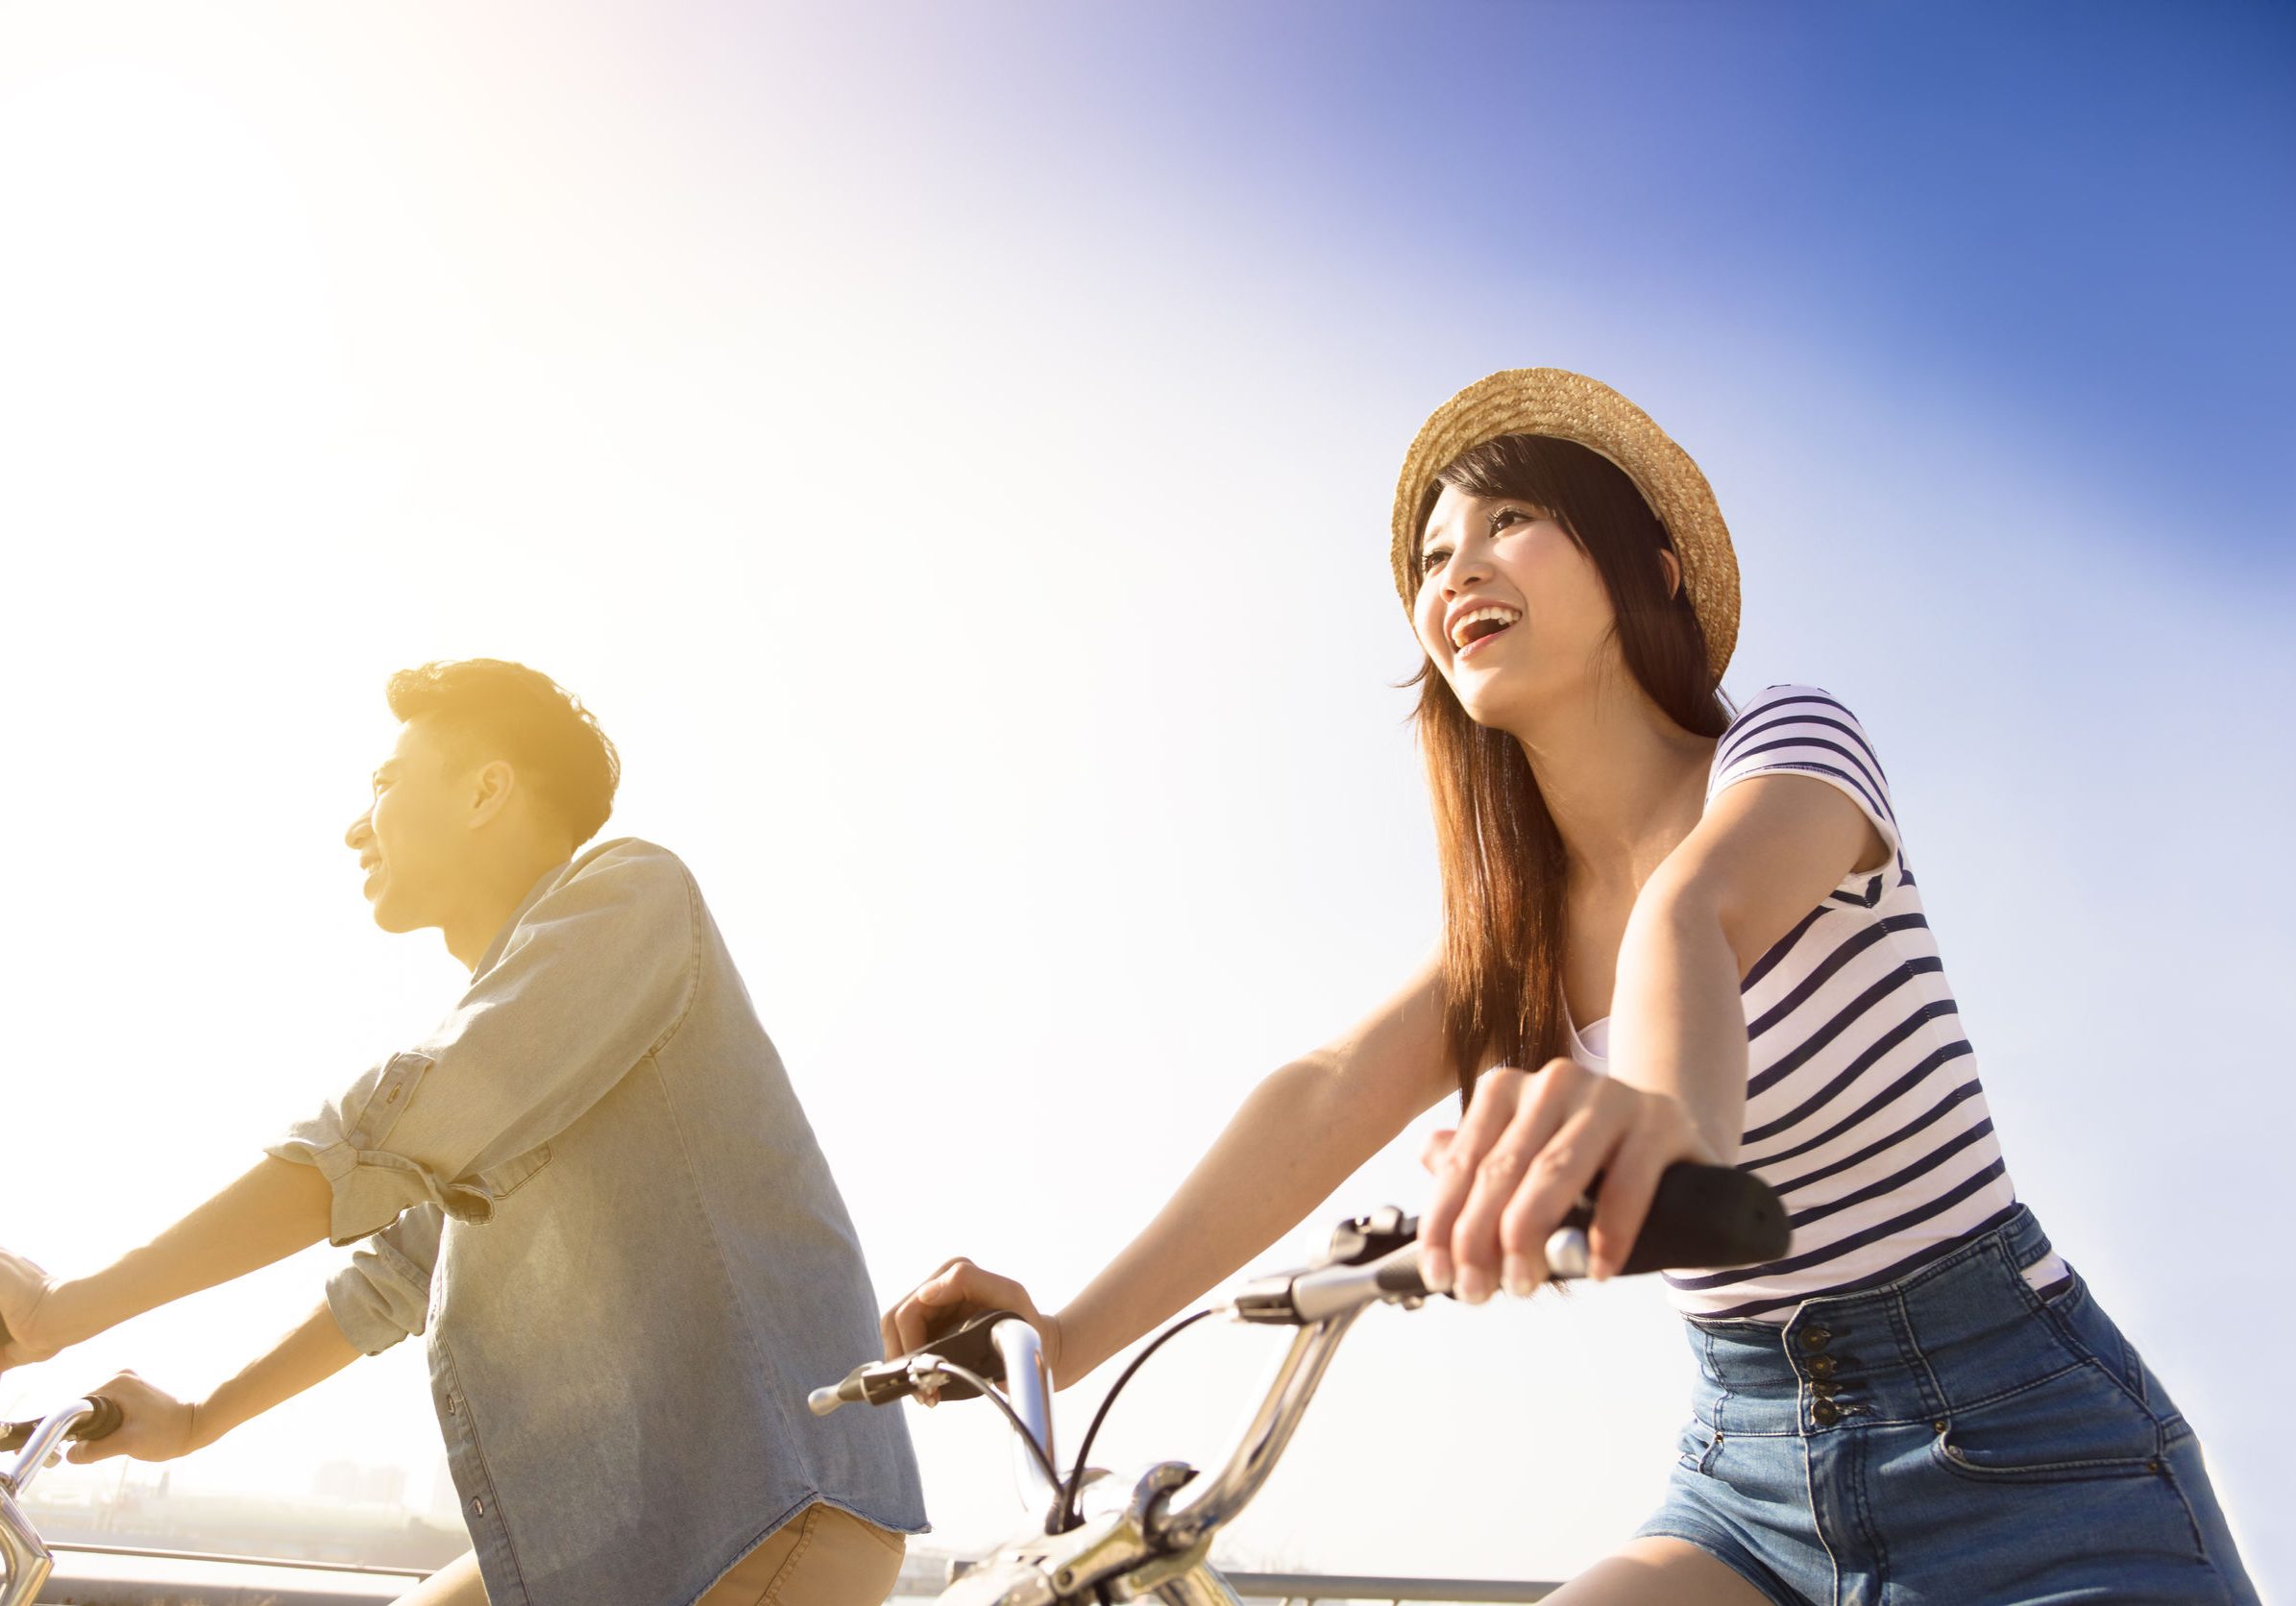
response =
{"points": [[1150, 1545], [43, 1443], [1028, 1389], [1212, 1503], [26, 1557], [1156, 1542]]}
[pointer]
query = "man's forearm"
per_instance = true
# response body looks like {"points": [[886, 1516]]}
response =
{"points": [[311, 1354], [275, 1210]]}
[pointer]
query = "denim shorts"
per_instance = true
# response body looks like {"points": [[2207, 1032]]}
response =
{"points": [[1952, 1436]]}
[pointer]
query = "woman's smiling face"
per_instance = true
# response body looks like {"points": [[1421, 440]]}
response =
{"points": [[1511, 609]]}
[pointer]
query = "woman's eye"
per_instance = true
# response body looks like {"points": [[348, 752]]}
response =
{"points": [[1506, 515], [1433, 559]]}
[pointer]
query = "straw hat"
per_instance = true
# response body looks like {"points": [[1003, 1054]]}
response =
{"points": [[1573, 407]]}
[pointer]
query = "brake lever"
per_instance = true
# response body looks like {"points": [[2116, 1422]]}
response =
{"points": [[970, 1344]]}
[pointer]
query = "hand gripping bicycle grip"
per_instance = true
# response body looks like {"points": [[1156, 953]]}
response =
{"points": [[1705, 1217], [970, 1344], [101, 1423]]}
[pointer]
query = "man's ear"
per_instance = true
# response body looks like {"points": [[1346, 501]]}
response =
{"points": [[491, 791], [1674, 571]]}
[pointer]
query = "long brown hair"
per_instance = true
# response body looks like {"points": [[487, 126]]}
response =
{"points": [[1503, 871]]}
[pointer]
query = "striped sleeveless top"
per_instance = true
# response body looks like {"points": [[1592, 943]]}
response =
{"points": [[1863, 1107]]}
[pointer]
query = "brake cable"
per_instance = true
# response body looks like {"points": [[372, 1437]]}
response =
{"points": [[1066, 1515], [966, 1374]]}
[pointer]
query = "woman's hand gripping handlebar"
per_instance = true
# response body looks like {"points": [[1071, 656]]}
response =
{"points": [[990, 1348], [1700, 1216], [1530, 1156], [956, 1292]]}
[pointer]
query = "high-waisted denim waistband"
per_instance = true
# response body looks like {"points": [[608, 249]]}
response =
{"points": [[1952, 1435], [1958, 1331]]}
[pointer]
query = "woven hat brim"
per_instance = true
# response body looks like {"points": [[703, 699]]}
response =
{"points": [[1573, 407]]}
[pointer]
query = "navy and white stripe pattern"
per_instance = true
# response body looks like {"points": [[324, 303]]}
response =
{"points": [[1863, 1107]]}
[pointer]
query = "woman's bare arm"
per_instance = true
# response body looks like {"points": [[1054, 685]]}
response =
{"points": [[1764, 853], [1302, 1130], [1767, 853]]}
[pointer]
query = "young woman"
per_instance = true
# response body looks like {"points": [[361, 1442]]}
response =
{"points": [[1674, 932]]}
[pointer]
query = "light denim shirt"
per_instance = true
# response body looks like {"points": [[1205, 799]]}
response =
{"points": [[596, 1188]]}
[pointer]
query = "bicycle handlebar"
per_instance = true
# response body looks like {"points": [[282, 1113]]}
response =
{"points": [[994, 1346], [1700, 1216], [26, 1561], [1704, 1216], [97, 1417], [971, 1345]]}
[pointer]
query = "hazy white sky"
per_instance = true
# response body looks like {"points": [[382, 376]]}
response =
{"points": [[978, 552]]}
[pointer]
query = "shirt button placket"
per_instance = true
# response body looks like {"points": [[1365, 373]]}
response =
{"points": [[1823, 1368]]}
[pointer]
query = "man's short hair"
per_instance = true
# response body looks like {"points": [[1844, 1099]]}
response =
{"points": [[506, 711]]}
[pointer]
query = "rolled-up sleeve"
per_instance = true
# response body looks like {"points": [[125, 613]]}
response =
{"points": [[595, 975], [383, 1294]]}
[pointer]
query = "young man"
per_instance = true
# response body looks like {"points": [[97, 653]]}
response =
{"points": [[592, 1185]]}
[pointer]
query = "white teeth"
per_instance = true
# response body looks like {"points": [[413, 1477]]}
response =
{"points": [[1504, 615]]}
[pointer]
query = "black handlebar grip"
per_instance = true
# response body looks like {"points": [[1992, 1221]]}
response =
{"points": [[1398, 1273], [1705, 1217], [969, 1343], [102, 1422]]}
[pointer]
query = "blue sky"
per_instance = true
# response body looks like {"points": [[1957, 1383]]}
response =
{"points": [[2081, 212]]}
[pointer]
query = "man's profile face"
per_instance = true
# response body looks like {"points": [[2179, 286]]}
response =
{"points": [[418, 834]]}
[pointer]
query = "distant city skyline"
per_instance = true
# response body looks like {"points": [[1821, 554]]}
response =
{"points": [[144, 1510]]}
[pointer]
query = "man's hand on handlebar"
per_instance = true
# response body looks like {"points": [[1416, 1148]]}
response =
{"points": [[155, 1425], [961, 1289], [1529, 1149]]}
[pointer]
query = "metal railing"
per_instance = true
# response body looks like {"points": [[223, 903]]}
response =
{"points": [[1302, 1586], [64, 1548], [122, 1575], [138, 1577], [1298, 1589]]}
